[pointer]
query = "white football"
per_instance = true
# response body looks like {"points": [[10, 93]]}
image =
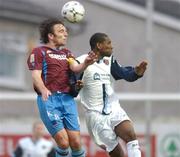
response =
{"points": [[73, 11]]}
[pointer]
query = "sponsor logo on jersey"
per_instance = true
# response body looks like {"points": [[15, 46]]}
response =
{"points": [[96, 76], [57, 56]]}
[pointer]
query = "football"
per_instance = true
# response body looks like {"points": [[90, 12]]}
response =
{"points": [[73, 11]]}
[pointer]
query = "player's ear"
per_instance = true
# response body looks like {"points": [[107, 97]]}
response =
{"points": [[50, 35], [98, 45]]}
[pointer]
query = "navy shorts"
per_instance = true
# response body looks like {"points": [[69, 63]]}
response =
{"points": [[58, 112]]}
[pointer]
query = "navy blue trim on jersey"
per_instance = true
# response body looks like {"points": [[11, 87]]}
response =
{"points": [[104, 98], [44, 66], [127, 73], [105, 101]]}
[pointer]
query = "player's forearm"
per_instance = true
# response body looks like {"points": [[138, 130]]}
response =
{"points": [[39, 85], [77, 68]]}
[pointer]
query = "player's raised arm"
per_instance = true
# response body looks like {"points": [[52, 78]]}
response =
{"points": [[75, 67]]}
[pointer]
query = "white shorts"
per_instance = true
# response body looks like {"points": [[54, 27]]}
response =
{"points": [[101, 127]]}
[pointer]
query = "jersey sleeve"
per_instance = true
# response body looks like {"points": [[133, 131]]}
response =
{"points": [[35, 59], [119, 72]]}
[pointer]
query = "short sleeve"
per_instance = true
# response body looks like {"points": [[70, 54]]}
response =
{"points": [[35, 60]]}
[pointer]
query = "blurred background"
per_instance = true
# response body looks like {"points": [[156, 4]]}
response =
{"points": [[139, 29]]}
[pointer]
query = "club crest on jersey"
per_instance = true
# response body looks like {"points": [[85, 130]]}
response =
{"points": [[96, 76], [106, 61], [32, 58]]}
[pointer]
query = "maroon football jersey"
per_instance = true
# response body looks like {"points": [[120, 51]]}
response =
{"points": [[54, 66]]}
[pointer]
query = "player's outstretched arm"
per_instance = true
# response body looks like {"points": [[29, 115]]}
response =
{"points": [[77, 68], [141, 68]]}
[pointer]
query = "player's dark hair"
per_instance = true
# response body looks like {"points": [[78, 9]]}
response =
{"points": [[46, 27], [97, 38]]}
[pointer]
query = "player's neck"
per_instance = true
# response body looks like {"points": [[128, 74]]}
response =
{"points": [[99, 56], [52, 45], [35, 138]]}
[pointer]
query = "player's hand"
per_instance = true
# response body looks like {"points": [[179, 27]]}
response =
{"points": [[91, 58], [79, 84], [45, 94], [141, 68]]}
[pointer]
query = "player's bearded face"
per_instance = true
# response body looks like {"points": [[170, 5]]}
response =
{"points": [[60, 35], [106, 49]]}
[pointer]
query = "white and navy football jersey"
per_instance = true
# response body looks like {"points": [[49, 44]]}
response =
{"points": [[27, 148], [97, 93]]}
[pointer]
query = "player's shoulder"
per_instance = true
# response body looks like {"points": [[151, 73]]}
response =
{"points": [[37, 49], [24, 140], [68, 52], [114, 61]]}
